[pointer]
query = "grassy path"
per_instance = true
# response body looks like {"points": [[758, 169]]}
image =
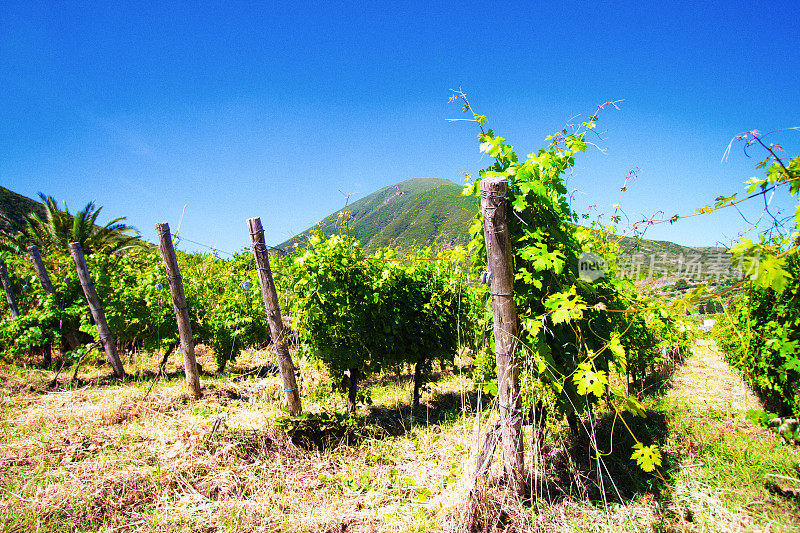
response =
{"points": [[716, 463], [723, 481], [117, 458], [706, 381]]}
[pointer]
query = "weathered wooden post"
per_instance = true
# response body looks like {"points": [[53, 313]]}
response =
{"points": [[179, 305], [41, 272], [276, 329], [501, 287], [12, 302], [33, 251], [96, 309]]}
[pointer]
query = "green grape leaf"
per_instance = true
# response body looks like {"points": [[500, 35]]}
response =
{"points": [[618, 351], [759, 418], [588, 380], [532, 326], [771, 272], [797, 212], [635, 407], [471, 189], [647, 457], [792, 364], [561, 315], [722, 200], [755, 183]]}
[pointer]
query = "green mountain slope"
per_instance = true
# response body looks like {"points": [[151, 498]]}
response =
{"points": [[424, 211], [419, 211], [14, 206], [645, 258]]}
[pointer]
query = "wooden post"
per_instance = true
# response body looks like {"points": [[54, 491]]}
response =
{"points": [[179, 305], [276, 330], [501, 287], [70, 336], [41, 272], [12, 302], [97, 309]]}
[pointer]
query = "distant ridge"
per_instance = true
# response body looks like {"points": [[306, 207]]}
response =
{"points": [[426, 211], [431, 211], [15, 206]]}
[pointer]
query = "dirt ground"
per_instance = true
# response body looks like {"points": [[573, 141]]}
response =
{"points": [[115, 457]]}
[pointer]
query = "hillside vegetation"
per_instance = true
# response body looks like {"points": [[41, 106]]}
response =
{"points": [[432, 211], [418, 211], [14, 206], [610, 413]]}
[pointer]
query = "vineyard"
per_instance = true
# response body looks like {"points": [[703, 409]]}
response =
{"points": [[506, 385]]}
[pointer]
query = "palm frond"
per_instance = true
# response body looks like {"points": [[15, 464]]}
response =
{"points": [[55, 228]]}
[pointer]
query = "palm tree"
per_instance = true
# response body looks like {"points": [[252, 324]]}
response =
{"points": [[55, 229]]}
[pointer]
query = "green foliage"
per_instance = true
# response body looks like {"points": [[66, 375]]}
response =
{"points": [[760, 331], [136, 312], [653, 337], [335, 306], [589, 381], [373, 313], [647, 457], [568, 338], [138, 307], [52, 229], [786, 427], [44, 318], [223, 314], [325, 430]]}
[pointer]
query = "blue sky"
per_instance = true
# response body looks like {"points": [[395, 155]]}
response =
{"points": [[281, 109]]}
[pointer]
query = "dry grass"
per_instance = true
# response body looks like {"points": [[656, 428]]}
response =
{"points": [[706, 381], [723, 483], [717, 465], [111, 457]]}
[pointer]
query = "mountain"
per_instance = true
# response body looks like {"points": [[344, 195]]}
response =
{"points": [[425, 211], [418, 211], [14, 206], [648, 259]]}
